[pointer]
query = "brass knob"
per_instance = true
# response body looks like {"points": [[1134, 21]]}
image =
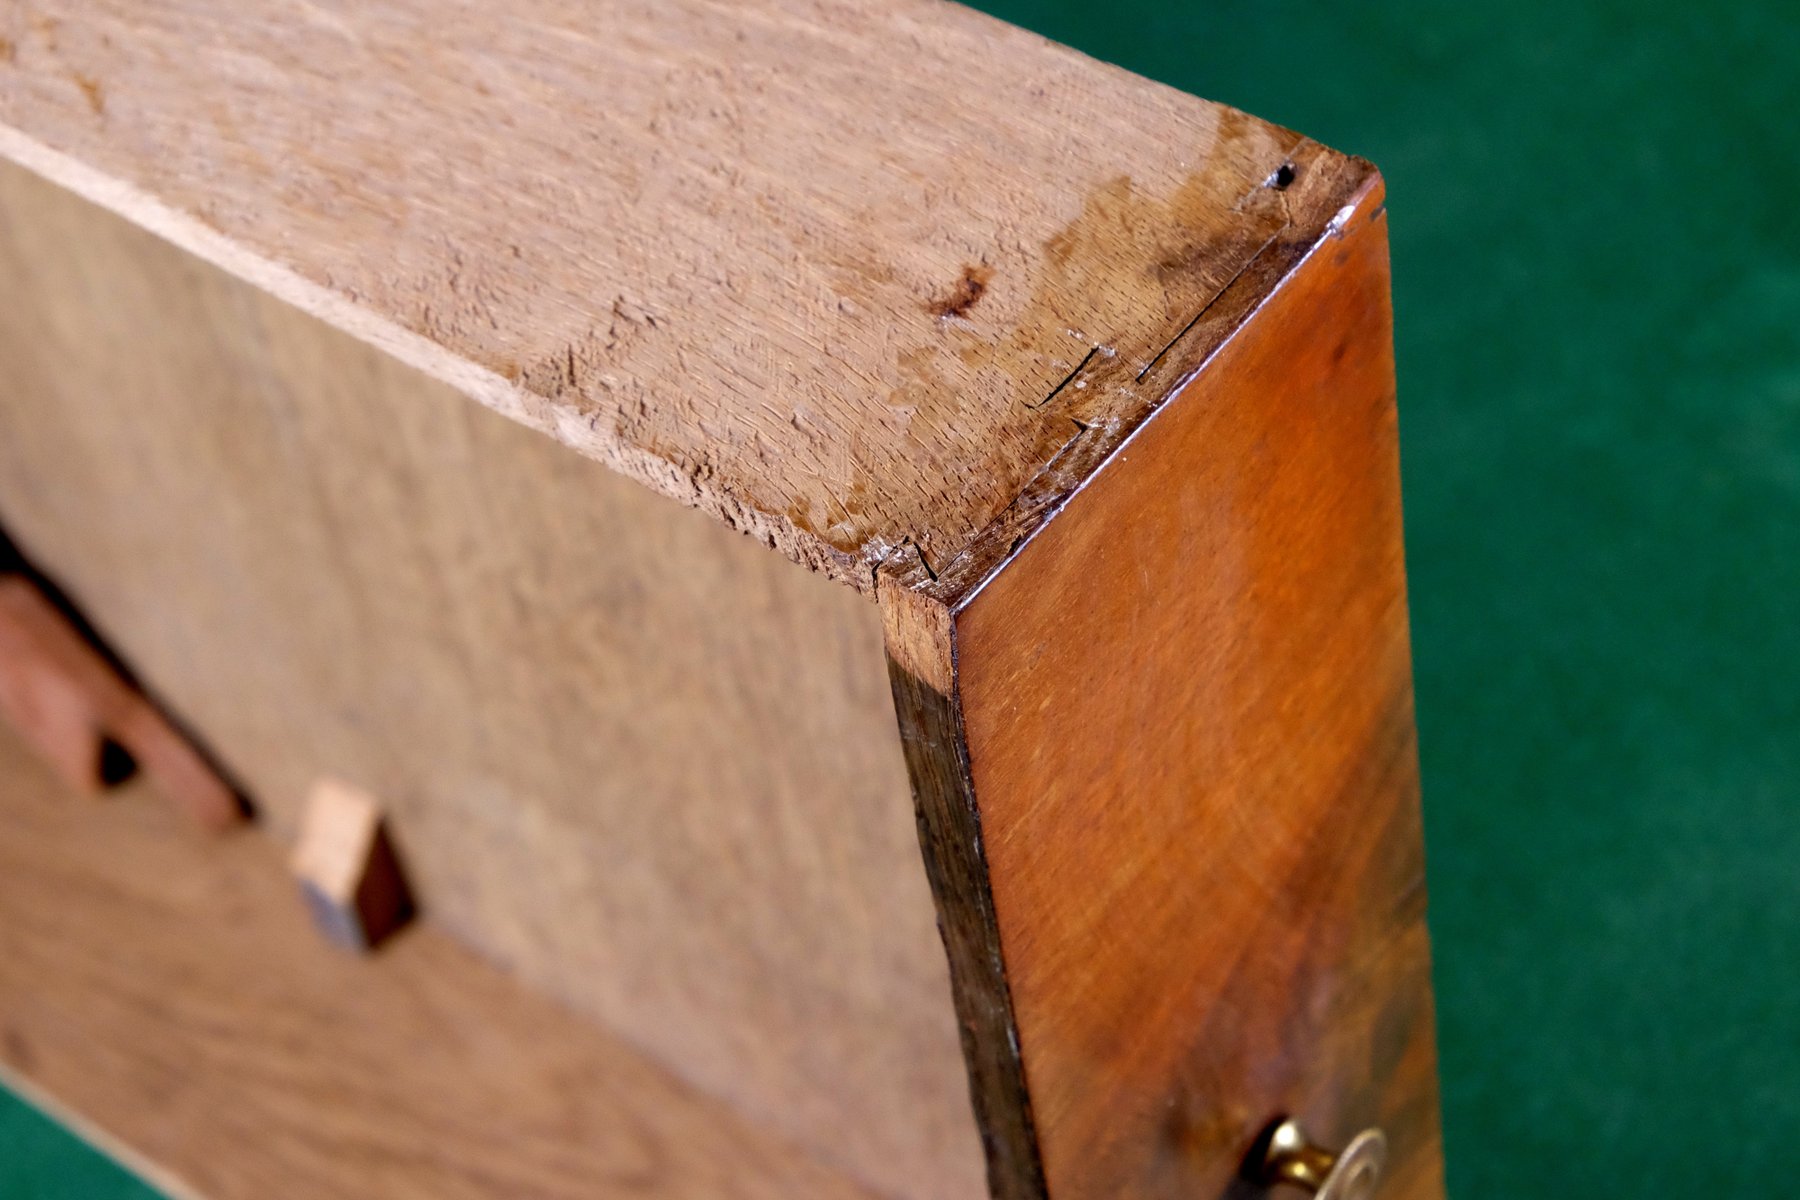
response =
{"points": [[1350, 1174]]}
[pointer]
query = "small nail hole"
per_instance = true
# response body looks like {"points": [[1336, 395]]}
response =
{"points": [[116, 763], [1283, 176]]}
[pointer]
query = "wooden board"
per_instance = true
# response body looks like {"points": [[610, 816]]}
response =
{"points": [[1165, 753], [847, 274], [632, 756], [69, 697], [56, 692], [170, 994], [926, 304]]}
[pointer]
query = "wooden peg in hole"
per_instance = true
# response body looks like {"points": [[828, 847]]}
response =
{"points": [[347, 867], [90, 723]]}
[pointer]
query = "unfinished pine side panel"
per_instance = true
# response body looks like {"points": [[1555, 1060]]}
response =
{"points": [[165, 992], [1166, 758], [847, 274], [630, 754]]}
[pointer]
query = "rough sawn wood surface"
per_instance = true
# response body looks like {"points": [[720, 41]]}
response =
{"points": [[729, 250]]}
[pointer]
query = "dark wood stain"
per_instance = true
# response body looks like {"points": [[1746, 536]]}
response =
{"points": [[1119, 282], [971, 287]]}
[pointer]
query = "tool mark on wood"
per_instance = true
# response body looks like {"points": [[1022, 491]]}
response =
{"points": [[1056, 391], [1199, 316]]}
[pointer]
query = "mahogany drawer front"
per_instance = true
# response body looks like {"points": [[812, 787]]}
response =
{"points": [[1189, 714], [1027, 807]]}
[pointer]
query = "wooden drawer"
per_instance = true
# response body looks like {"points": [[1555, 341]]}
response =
{"points": [[1074, 451]]}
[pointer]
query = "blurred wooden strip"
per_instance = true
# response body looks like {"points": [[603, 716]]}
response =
{"points": [[817, 267], [52, 692], [170, 991], [60, 691]]}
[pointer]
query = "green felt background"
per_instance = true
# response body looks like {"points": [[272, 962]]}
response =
{"points": [[1596, 219], [40, 1161]]}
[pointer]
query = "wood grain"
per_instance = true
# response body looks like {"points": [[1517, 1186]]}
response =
{"points": [[1187, 754], [846, 274], [635, 758], [169, 992]]}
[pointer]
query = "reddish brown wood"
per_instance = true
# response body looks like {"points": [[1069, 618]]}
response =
{"points": [[48, 687], [1170, 735], [68, 701]]}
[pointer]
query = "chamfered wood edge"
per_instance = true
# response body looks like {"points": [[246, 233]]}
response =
{"points": [[919, 606], [921, 669]]}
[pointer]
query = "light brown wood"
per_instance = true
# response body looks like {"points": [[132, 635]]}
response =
{"points": [[635, 758], [347, 869], [1165, 754], [168, 992], [847, 274], [62, 693]]}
